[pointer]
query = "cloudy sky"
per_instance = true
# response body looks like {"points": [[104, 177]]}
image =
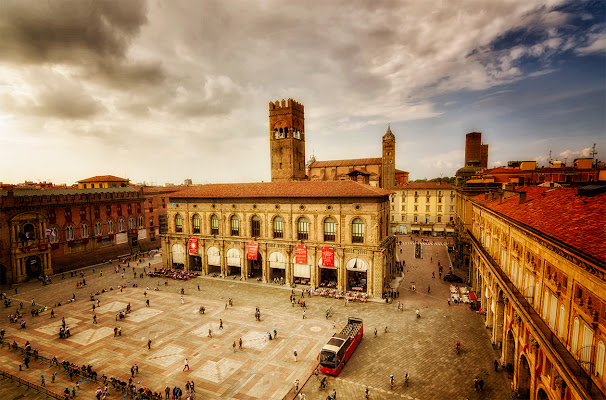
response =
{"points": [[160, 91]]}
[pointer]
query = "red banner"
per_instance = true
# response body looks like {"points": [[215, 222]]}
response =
{"points": [[300, 254], [42, 246], [253, 249], [193, 246], [328, 256], [24, 249]]}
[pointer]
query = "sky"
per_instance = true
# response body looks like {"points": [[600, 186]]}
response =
{"points": [[160, 91]]}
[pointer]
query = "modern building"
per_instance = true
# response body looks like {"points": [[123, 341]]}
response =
{"points": [[423, 207], [538, 264], [333, 234]]}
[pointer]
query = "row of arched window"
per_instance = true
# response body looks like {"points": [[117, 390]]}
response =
{"points": [[97, 227], [302, 226]]}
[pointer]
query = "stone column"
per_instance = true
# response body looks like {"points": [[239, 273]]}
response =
{"points": [[244, 262], [264, 263], [186, 263], [223, 259], [339, 257], [289, 272], [314, 278]]}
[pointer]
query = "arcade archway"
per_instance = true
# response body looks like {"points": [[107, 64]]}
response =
{"points": [[33, 267]]}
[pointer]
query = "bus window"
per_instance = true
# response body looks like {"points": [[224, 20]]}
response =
{"points": [[327, 359]]}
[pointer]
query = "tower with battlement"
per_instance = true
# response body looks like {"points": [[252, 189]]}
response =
{"points": [[287, 140]]}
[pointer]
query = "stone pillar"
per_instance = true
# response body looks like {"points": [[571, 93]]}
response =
{"points": [[203, 259], [289, 268], [223, 259], [264, 263], [314, 278], [244, 262], [186, 263], [341, 276]]}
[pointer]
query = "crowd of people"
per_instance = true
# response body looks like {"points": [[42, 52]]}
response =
{"points": [[172, 273]]}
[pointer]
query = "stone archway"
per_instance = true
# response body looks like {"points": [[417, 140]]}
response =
{"points": [[499, 320], [524, 376], [541, 395], [509, 353], [33, 267], [3, 272]]}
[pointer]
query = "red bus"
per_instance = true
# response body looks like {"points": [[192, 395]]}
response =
{"points": [[340, 347]]}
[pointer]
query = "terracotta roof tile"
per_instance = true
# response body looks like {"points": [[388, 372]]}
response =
{"points": [[282, 189], [578, 221], [103, 178], [344, 163]]}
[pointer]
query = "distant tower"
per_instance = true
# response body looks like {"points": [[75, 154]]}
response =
{"points": [[287, 141], [476, 153], [388, 165]]}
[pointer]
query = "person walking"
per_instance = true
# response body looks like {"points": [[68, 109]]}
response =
{"points": [[95, 319], [234, 346], [296, 385], [240, 343], [182, 302], [210, 333], [186, 365], [295, 355], [220, 323], [375, 331], [304, 314], [149, 344]]}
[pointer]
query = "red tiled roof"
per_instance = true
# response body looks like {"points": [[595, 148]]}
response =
{"points": [[344, 163], [399, 171], [424, 185], [103, 178], [578, 221], [282, 189]]}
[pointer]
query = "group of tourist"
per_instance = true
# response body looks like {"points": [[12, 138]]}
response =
{"points": [[173, 274]]}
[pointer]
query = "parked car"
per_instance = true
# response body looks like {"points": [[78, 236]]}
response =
{"points": [[453, 278]]}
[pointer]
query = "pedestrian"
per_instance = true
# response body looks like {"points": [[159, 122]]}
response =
{"points": [[226, 305], [210, 333], [367, 393], [475, 383], [147, 302], [149, 344], [220, 323], [167, 392], [334, 394], [304, 314], [95, 319], [317, 374], [182, 302], [192, 386], [234, 346], [198, 288], [93, 306], [375, 331], [295, 354], [428, 289], [132, 371], [296, 385], [240, 343], [186, 365], [136, 369], [42, 383], [481, 384]]}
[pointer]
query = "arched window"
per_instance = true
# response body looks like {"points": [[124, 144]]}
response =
{"points": [[110, 226], [98, 231], [121, 225], [195, 222], [278, 228], [54, 235], [302, 228], [256, 226], [84, 229], [178, 223], [151, 221], [329, 230], [140, 223], [69, 232], [575, 337], [131, 223], [357, 231], [235, 225], [561, 321], [214, 225], [599, 360]]}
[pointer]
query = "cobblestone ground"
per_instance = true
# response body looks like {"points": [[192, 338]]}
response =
{"points": [[422, 347]]}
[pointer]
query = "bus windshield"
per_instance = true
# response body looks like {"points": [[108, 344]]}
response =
{"points": [[327, 358]]}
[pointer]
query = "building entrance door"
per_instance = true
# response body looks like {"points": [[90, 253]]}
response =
{"points": [[33, 267]]}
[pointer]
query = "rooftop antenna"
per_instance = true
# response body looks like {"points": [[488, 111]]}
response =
{"points": [[549, 158]]}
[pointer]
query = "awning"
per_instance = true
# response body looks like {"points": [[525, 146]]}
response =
{"points": [[233, 258], [277, 260], [426, 229], [213, 256], [356, 264], [449, 229], [415, 228], [438, 229]]}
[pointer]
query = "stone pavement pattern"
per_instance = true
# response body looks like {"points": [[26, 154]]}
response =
{"points": [[422, 347]]}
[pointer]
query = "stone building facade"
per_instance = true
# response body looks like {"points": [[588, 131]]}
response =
{"points": [[217, 229], [539, 266], [423, 207], [53, 230]]}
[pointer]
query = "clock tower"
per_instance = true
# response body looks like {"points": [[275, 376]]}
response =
{"points": [[287, 141]]}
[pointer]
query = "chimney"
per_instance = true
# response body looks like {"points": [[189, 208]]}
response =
{"points": [[500, 197], [522, 197]]}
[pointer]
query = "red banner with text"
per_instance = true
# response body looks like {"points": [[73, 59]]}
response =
{"points": [[193, 246], [328, 256], [253, 249], [300, 254]]}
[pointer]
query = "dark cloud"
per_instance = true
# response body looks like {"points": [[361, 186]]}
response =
{"points": [[92, 35], [56, 104]]}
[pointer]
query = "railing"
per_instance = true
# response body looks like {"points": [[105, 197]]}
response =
{"points": [[571, 366], [31, 385]]}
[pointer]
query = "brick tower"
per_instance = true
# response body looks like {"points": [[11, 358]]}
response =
{"points": [[287, 141], [388, 165]]}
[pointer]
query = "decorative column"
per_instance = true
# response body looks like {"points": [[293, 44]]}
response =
{"points": [[314, 278], [264, 263]]}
